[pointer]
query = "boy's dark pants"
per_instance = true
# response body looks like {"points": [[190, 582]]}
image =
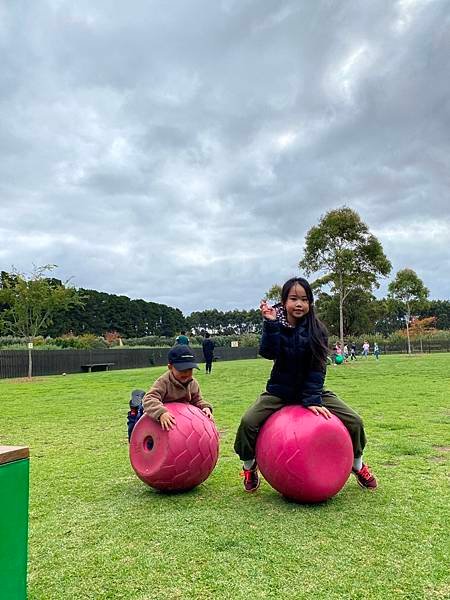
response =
{"points": [[267, 404]]}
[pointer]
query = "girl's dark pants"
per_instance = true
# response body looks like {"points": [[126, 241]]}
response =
{"points": [[267, 404]]}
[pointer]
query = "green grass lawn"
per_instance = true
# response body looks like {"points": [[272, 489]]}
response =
{"points": [[98, 532]]}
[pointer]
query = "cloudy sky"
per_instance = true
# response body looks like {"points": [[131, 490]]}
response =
{"points": [[180, 151]]}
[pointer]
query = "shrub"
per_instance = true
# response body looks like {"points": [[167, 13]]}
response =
{"points": [[155, 341], [87, 341], [9, 340], [112, 338]]}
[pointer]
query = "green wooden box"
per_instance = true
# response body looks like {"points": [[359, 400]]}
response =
{"points": [[14, 486]]}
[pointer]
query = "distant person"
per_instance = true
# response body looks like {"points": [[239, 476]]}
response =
{"points": [[345, 352], [366, 348], [353, 351], [208, 352], [376, 350], [182, 339], [337, 351], [176, 385]]}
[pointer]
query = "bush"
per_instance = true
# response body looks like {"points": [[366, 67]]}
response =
{"points": [[9, 340], [87, 341], [154, 341], [249, 340], [112, 338]]}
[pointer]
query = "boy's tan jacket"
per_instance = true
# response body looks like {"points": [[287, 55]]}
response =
{"points": [[167, 389]]}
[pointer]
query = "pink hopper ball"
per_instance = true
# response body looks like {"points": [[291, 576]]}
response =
{"points": [[305, 457], [178, 459]]}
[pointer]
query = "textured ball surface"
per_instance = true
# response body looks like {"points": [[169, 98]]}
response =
{"points": [[178, 459], [339, 359], [305, 457]]}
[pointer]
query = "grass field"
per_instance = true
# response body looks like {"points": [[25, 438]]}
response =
{"points": [[98, 532]]}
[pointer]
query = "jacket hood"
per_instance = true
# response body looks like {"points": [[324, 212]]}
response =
{"points": [[282, 315]]}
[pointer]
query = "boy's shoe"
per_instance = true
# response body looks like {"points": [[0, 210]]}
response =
{"points": [[136, 410], [365, 478], [136, 398], [251, 479]]}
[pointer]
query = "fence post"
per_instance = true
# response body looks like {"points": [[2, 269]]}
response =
{"points": [[14, 484]]}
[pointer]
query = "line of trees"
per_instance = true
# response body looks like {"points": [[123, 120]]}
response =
{"points": [[346, 260], [39, 304], [88, 311], [234, 322], [101, 312]]}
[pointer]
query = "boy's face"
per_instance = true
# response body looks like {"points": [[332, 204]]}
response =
{"points": [[182, 376]]}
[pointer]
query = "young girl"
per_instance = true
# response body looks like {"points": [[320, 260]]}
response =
{"points": [[295, 339], [337, 351]]}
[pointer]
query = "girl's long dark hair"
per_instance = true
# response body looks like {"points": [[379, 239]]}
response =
{"points": [[318, 334]]}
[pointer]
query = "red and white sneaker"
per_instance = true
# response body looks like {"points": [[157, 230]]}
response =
{"points": [[365, 478], [251, 479]]}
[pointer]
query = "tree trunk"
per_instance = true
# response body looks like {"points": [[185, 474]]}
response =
{"points": [[30, 363], [407, 332], [341, 319]]}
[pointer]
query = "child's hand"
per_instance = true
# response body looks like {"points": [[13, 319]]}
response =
{"points": [[320, 410], [167, 421], [207, 412], [267, 311]]}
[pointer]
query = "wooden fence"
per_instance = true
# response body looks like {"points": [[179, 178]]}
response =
{"points": [[14, 363]]}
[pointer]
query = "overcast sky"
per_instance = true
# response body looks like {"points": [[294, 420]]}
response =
{"points": [[180, 151]]}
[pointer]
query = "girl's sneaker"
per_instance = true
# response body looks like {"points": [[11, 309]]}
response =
{"points": [[251, 479], [365, 478]]}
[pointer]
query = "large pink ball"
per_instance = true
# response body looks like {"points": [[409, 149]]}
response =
{"points": [[305, 457], [178, 459]]}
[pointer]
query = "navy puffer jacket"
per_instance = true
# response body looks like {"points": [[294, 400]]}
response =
{"points": [[296, 377]]}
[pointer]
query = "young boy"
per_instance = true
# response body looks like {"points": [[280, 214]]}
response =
{"points": [[176, 385]]}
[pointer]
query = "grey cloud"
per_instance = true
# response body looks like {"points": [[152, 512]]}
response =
{"points": [[180, 152]]}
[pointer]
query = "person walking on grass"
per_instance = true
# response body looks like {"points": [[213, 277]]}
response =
{"points": [[297, 341], [366, 348], [376, 350], [208, 352]]}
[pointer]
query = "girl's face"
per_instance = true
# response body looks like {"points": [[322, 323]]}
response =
{"points": [[297, 304]]}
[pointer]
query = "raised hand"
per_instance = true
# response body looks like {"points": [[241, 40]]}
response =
{"points": [[267, 311]]}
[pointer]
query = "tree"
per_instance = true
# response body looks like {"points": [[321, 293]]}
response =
{"points": [[389, 317], [439, 309], [360, 316], [350, 257], [274, 293], [421, 328], [31, 301], [408, 291]]}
